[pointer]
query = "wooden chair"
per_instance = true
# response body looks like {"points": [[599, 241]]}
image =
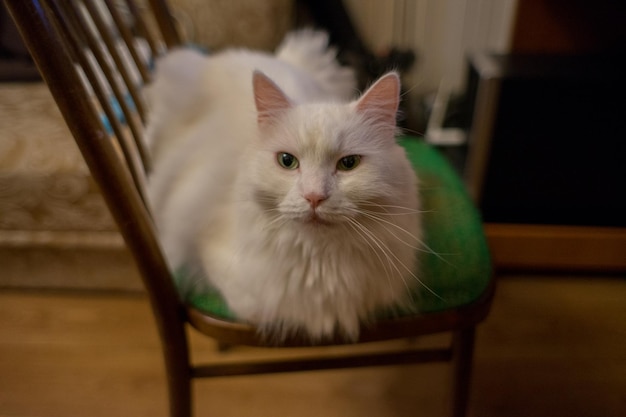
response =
{"points": [[106, 120]]}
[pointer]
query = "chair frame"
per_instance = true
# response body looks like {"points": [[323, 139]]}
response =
{"points": [[119, 175]]}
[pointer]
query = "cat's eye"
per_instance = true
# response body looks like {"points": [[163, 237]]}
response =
{"points": [[287, 160], [348, 163]]}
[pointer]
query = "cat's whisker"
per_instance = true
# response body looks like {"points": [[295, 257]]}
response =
{"points": [[370, 239], [374, 216], [277, 222], [408, 213], [391, 232], [424, 246], [385, 207], [389, 253], [373, 203], [412, 274], [428, 288], [413, 132]]}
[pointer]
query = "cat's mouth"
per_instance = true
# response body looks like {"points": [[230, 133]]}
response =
{"points": [[314, 219]]}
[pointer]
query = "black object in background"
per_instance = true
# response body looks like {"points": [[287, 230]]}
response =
{"points": [[557, 148], [15, 61]]}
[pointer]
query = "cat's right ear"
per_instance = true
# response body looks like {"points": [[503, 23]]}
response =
{"points": [[380, 102], [269, 99]]}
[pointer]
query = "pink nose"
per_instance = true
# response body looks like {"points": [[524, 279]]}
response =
{"points": [[315, 199]]}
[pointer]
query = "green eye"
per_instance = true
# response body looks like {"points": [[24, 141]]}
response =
{"points": [[287, 160], [348, 163]]}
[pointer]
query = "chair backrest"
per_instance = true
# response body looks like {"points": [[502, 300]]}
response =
{"points": [[94, 56]]}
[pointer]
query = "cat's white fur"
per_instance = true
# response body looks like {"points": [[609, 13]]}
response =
{"points": [[315, 249]]}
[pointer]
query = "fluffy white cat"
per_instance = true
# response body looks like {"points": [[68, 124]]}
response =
{"points": [[296, 203]]}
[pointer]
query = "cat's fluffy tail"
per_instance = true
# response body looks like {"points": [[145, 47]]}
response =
{"points": [[175, 94], [177, 78], [308, 50]]}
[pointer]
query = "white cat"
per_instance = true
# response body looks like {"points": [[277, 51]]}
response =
{"points": [[296, 203]]}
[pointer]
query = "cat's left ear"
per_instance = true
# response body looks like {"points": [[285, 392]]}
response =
{"points": [[269, 99], [380, 102]]}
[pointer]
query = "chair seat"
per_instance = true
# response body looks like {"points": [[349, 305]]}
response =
{"points": [[455, 266]]}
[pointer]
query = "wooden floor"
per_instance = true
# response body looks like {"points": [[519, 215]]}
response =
{"points": [[553, 346]]}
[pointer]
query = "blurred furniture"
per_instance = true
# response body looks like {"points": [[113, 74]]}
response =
{"points": [[95, 72], [546, 164], [55, 228]]}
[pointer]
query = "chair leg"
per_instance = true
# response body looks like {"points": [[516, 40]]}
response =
{"points": [[179, 389], [462, 356], [178, 370]]}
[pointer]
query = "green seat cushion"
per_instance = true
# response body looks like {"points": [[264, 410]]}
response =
{"points": [[454, 267]]}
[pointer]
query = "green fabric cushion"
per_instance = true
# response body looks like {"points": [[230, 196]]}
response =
{"points": [[455, 268]]}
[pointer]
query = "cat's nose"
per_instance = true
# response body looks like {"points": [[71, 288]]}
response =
{"points": [[315, 199]]}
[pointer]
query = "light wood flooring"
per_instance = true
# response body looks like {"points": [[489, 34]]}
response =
{"points": [[552, 346]]}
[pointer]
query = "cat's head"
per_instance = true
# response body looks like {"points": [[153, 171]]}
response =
{"points": [[326, 163]]}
